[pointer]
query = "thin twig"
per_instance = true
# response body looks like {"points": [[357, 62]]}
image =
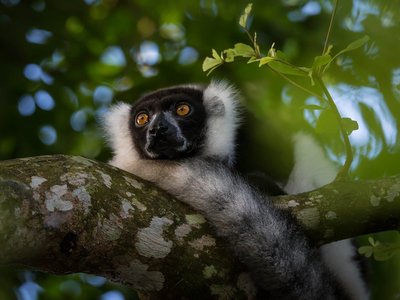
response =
{"points": [[330, 26], [349, 152], [294, 83]]}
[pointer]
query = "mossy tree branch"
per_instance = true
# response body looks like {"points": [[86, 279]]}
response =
{"points": [[63, 214]]}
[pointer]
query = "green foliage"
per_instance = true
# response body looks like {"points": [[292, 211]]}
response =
{"points": [[81, 32], [277, 61], [243, 18], [349, 125], [380, 251]]}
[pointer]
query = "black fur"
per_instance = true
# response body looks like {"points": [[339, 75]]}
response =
{"points": [[167, 140], [280, 258]]}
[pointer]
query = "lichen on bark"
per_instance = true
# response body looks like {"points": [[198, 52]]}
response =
{"points": [[64, 214]]}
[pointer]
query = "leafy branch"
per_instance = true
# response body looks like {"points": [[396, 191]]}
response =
{"points": [[276, 61]]}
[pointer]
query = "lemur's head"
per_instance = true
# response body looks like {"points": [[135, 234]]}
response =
{"points": [[176, 122]]}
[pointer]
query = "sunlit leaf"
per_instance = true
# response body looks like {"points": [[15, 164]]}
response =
{"points": [[366, 251], [272, 51], [244, 50], [356, 44], [373, 242], [350, 125], [229, 55], [241, 50], [253, 59], [245, 15], [211, 63], [352, 46], [265, 60], [320, 61], [286, 68]]}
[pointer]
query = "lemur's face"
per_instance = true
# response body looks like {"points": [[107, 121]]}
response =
{"points": [[169, 123]]}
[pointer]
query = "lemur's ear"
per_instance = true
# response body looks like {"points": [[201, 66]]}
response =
{"points": [[221, 101]]}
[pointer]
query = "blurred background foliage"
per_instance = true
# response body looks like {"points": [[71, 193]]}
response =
{"points": [[64, 62]]}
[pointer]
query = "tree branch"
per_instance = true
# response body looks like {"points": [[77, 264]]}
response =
{"points": [[63, 214]]}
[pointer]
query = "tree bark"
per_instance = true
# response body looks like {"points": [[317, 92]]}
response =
{"points": [[64, 214]]}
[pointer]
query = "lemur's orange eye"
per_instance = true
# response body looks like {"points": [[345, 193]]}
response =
{"points": [[142, 119], [182, 110]]}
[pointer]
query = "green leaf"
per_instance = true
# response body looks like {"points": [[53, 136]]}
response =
{"points": [[367, 251], [211, 63], [229, 55], [244, 50], [239, 49], [253, 59], [350, 125], [265, 60], [320, 61], [245, 15], [372, 241], [355, 45], [352, 46], [286, 68], [272, 51]]}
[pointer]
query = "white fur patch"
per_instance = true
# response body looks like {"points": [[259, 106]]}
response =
{"points": [[312, 170], [221, 127], [338, 256], [116, 127]]}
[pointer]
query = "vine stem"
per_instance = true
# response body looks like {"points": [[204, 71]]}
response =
{"points": [[330, 26], [349, 152]]}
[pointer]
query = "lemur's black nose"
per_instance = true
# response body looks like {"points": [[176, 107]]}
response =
{"points": [[160, 127]]}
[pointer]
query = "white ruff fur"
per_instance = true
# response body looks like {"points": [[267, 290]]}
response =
{"points": [[221, 128], [116, 126], [313, 170]]}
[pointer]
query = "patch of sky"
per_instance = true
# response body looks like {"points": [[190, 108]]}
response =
{"points": [[360, 11], [26, 105], [48, 135], [93, 280], [112, 295], [349, 100], [78, 120], [44, 100], [35, 73], [311, 8], [103, 95], [38, 36], [148, 54], [188, 55], [113, 56]]}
